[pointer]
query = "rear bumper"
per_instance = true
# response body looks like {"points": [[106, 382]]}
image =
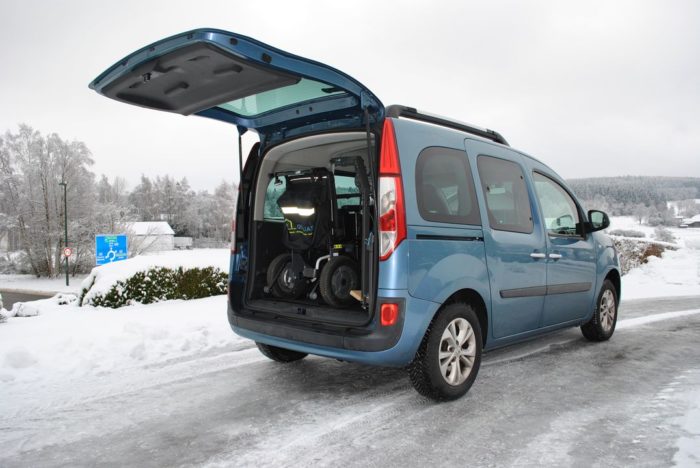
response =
{"points": [[393, 346]]}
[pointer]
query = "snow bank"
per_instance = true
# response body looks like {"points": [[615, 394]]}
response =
{"points": [[677, 273], [105, 276], [67, 341]]}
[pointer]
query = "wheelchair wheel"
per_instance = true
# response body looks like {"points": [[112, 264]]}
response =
{"points": [[282, 280], [339, 276]]}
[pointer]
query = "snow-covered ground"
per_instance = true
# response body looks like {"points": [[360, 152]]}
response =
{"points": [[677, 273], [69, 342]]}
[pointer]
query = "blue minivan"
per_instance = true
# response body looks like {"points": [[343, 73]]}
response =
{"points": [[375, 234]]}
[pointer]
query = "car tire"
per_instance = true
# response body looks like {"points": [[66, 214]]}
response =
{"points": [[602, 325], [282, 285], [280, 354], [339, 276], [448, 359]]}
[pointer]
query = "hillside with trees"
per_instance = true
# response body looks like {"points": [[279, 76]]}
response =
{"points": [[645, 198]]}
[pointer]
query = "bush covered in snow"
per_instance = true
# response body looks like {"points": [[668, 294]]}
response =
{"points": [[634, 253], [626, 233], [664, 235], [160, 284]]}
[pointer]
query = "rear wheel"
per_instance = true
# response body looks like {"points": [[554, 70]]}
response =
{"points": [[282, 280], [339, 276], [602, 325], [448, 359], [280, 354]]}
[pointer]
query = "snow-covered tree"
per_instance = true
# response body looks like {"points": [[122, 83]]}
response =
{"points": [[31, 168]]}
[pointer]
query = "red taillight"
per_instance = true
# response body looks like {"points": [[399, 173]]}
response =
{"points": [[392, 216], [389, 156], [389, 314]]}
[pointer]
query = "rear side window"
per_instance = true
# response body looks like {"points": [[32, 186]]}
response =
{"points": [[507, 201], [445, 187]]}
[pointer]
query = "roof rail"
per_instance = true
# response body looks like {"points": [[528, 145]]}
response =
{"points": [[396, 111]]}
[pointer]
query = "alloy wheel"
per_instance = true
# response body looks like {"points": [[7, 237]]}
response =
{"points": [[457, 351]]}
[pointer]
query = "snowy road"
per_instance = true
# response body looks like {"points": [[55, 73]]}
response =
{"points": [[556, 401], [9, 298]]}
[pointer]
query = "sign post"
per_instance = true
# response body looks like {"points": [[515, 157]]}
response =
{"points": [[110, 248], [64, 184], [67, 252]]}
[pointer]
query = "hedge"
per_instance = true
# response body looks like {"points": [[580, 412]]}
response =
{"points": [[161, 284]]}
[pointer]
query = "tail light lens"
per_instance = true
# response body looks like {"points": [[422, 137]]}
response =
{"points": [[389, 314], [392, 215]]}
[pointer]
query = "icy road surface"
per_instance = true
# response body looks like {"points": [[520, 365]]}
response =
{"points": [[557, 401]]}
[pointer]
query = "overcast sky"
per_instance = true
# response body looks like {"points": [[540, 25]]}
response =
{"points": [[594, 88]]}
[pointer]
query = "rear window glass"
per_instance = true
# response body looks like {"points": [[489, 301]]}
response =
{"points": [[347, 193], [507, 201], [445, 187], [304, 90]]}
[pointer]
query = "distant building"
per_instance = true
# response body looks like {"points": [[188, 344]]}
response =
{"points": [[183, 243], [693, 222], [150, 236]]}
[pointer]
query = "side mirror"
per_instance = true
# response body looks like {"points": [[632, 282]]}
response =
{"points": [[598, 221]]}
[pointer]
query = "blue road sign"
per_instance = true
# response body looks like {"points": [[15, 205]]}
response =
{"points": [[110, 248]]}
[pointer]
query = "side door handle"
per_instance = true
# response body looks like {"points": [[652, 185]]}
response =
{"points": [[555, 256], [538, 255]]}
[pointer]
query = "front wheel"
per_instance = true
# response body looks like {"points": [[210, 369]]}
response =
{"points": [[602, 325], [449, 356], [280, 354]]}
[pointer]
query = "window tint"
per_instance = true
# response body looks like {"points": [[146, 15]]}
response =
{"points": [[445, 187], [507, 201], [558, 208]]}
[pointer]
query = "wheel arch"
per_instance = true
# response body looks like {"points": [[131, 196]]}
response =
{"points": [[614, 277], [473, 298]]}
